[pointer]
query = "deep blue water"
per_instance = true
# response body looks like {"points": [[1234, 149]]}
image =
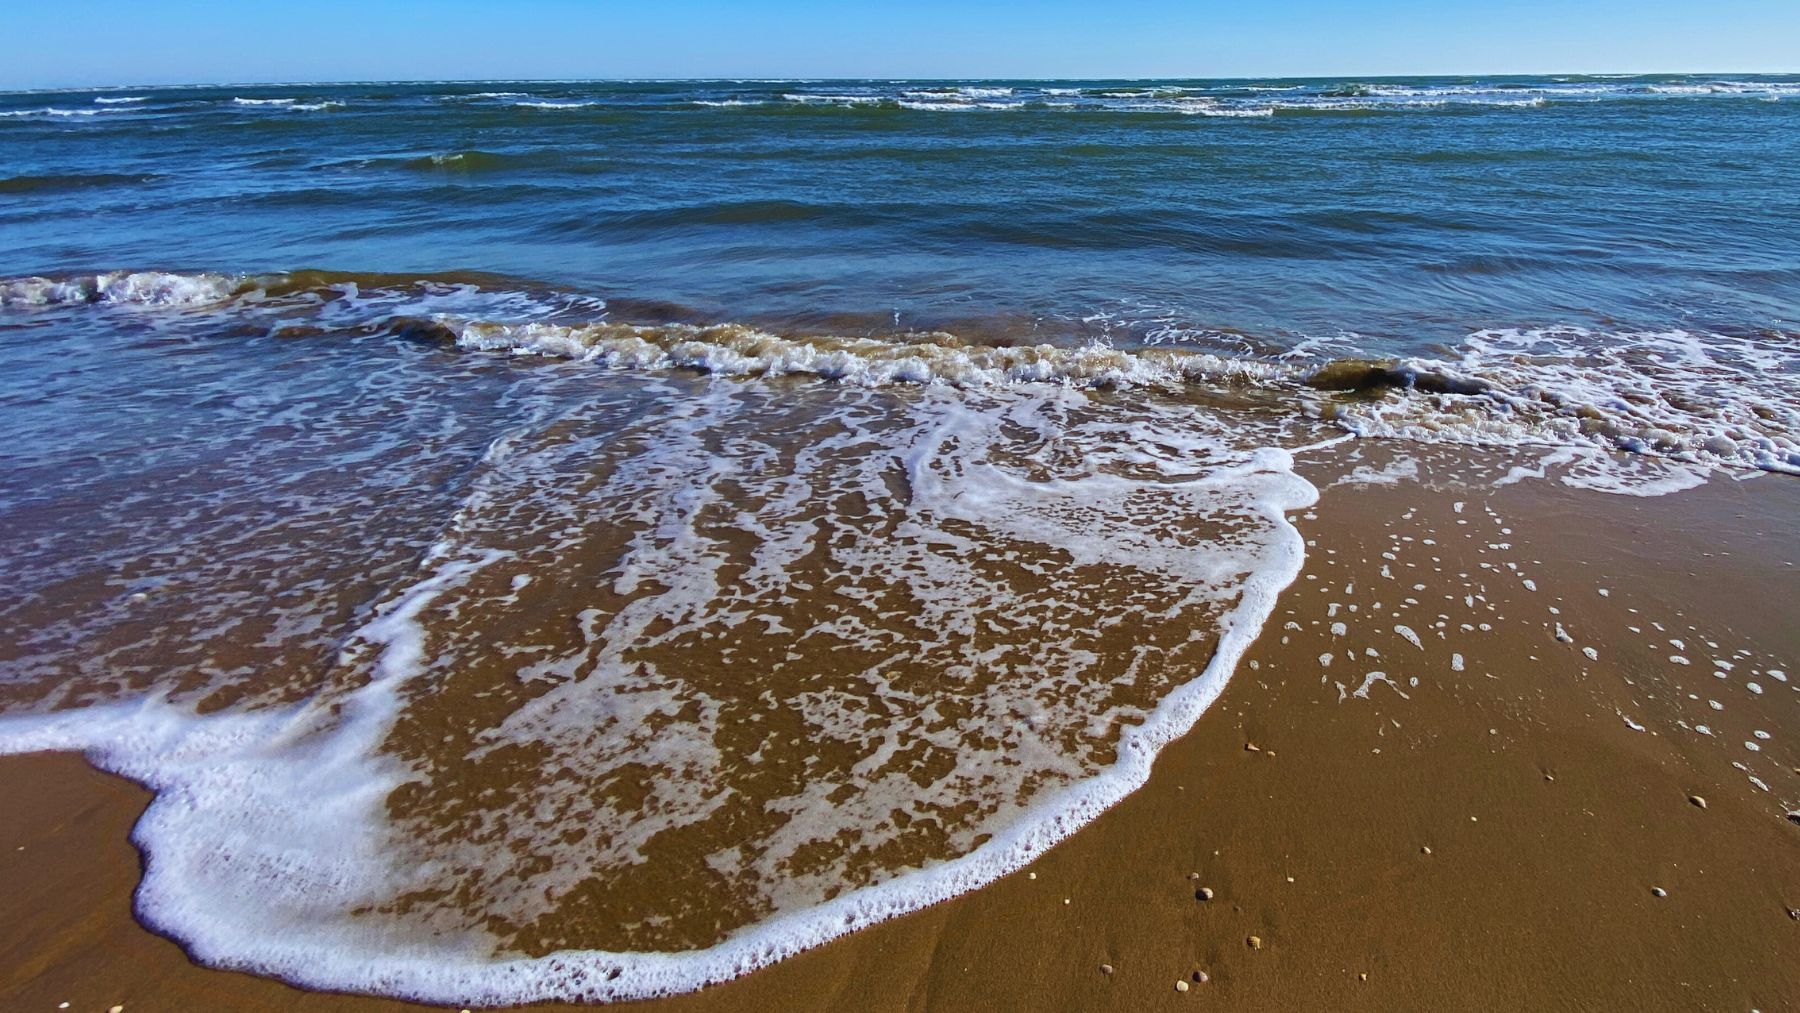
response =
{"points": [[1402, 212]]}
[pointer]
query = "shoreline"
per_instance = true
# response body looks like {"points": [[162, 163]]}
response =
{"points": [[1513, 758]]}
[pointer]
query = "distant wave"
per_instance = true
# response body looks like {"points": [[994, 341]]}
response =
{"points": [[52, 111], [69, 181]]}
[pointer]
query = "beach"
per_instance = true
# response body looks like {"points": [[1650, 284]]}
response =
{"points": [[783, 544], [1489, 835]]}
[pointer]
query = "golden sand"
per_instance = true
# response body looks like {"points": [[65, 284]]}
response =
{"points": [[1477, 832]]}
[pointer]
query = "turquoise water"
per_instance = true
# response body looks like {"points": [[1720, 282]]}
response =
{"points": [[1402, 211]]}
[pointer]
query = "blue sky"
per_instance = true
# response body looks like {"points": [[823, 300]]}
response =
{"points": [[179, 41]]}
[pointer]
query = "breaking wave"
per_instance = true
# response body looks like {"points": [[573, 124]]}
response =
{"points": [[1705, 399]]}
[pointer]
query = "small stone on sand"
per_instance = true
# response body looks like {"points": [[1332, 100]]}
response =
{"points": [[1363, 976], [1657, 891], [1697, 800], [1031, 875], [1200, 977], [1425, 851], [1193, 875], [115, 1009], [1251, 747], [1181, 986], [1254, 942], [1204, 893], [1106, 968]]}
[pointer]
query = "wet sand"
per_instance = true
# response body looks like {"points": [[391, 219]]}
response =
{"points": [[1489, 836]]}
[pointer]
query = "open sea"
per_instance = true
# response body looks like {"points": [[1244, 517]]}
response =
{"points": [[572, 539]]}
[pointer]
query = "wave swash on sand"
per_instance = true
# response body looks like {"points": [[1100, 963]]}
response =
{"points": [[480, 658]]}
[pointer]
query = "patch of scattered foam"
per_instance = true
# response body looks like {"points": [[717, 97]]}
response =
{"points": [[269, 827], [1392, 473], [1684, 402]]}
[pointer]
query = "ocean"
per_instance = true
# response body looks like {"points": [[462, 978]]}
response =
{"points": [[590, 540]]}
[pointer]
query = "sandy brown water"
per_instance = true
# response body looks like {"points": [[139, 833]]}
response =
{"points": [[1548, 816]]}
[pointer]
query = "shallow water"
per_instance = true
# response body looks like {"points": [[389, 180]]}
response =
{"points": [[594, 539]]}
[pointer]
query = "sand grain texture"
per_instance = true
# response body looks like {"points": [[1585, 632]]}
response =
{"points": [[1490, 839]]}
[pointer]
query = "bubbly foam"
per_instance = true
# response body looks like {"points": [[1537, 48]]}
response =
{"points": [[144, 288], [1694, 401], [994, 580], [1701, 400], [270, 826]]}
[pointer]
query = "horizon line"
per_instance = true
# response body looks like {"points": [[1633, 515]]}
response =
{"points": [[749, 79]]}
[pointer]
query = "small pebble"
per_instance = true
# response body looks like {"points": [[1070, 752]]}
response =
{"points": [[1794, 817], [1193, 875], [1181, 986], [1204, 893], [1031, 875], [1363, 976], [1200, 977], [1251, 747], [115, 1009], [1657, 891], [1425, 851], [1697, 800], [1254, 942], [1106, 968]]}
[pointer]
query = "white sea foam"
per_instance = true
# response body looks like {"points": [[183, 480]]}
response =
{"points": [[1695, 401], [147, 288], [263, 101], [269, 828], [54, 112], [1634, 412], [735, 350], [817, 98], [109, 100]]}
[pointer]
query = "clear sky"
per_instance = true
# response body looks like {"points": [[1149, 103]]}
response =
{"points": [[92, 42]]}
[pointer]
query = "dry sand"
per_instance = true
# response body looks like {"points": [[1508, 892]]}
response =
{"points": [[1482, 838]]}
